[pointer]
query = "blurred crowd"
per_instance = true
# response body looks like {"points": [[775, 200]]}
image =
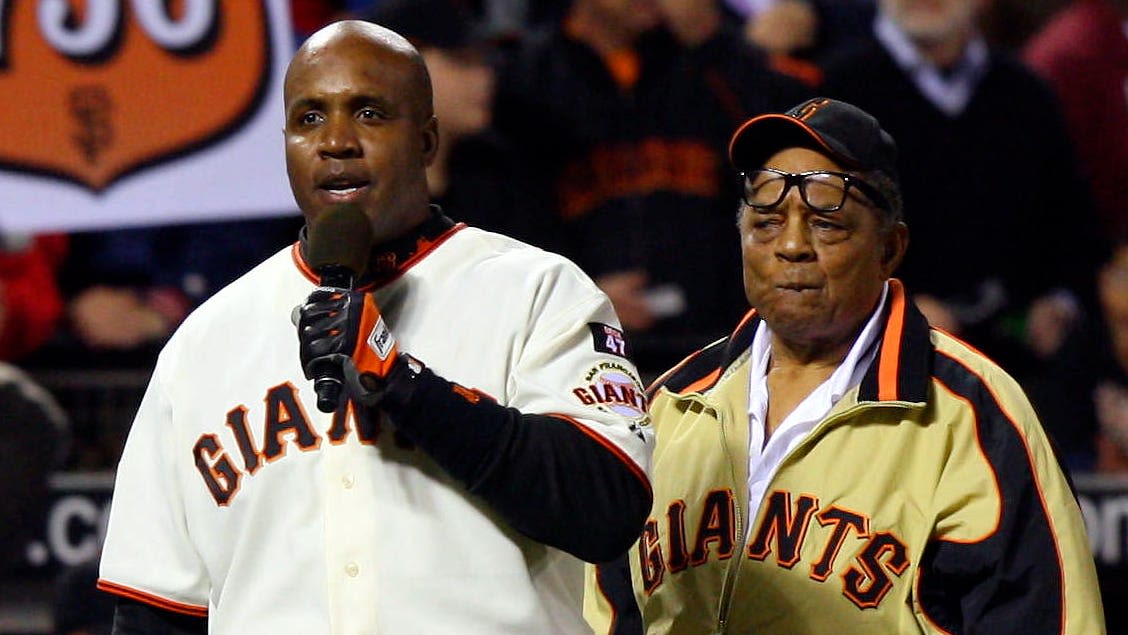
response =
{"points": [[598, 129]]}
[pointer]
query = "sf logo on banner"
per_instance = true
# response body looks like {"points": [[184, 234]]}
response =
{"points": [[98, 89]]}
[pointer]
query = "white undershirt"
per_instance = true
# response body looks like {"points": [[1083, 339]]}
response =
{"points": [[764, 459]]}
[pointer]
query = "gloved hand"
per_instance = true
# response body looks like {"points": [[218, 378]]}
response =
{"points": [[342, 336]]}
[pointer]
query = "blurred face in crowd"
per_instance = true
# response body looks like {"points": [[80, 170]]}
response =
{"points": [[633, 16], [359, 126], [463, 83], [931, 21], [816, 276], [1113, 288]]}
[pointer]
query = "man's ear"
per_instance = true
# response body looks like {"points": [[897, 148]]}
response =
{"points": [[430, 131], [896, 244]]}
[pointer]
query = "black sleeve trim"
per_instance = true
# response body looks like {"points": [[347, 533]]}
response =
{"points": [[136, 618], [614, 580], [547, 476]]}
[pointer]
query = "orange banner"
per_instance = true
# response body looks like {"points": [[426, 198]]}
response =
{"points": [[98, 90]]}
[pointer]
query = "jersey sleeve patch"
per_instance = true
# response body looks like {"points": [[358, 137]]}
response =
{"points": [[613, 387], [608, 339]]}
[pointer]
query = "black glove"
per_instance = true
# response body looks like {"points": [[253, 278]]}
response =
{"points": [[342, 336]]}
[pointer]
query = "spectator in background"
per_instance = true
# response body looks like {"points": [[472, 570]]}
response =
{"points": [[1008, 24], [308, 16], [35, 440], [1083, 53], [477, 173], [625, 107], [1081, 394], [31, 304], [800, 35], [1082, 390], [127, 289], [985, 157], [36, 431]]}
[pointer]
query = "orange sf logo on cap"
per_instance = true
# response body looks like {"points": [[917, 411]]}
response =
{"points": [[97, 89]]}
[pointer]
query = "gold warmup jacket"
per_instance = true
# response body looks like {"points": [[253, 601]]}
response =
{"points": [[928, 500]]}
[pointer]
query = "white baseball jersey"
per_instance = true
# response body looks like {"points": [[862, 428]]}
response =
{"points": [[237, 499]]}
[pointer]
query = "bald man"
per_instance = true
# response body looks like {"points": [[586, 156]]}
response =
{"points": [[489, 435]]}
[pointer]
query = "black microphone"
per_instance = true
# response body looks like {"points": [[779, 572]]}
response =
{"points": [[340, 239]]}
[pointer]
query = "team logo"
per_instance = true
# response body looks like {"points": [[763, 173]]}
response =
{"points": [[612, 387], [97, 90]]}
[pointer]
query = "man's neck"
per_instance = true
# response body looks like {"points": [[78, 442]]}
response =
{"points": [[944, 53]]}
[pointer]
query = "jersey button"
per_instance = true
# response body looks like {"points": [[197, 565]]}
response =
{"points": [[348, 481], [352, 569]]}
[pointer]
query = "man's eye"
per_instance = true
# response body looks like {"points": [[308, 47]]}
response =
{"points": [[370, 113], [309, 118], [766, 222]]}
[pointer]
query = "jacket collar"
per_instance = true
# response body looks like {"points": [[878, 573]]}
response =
{"points": [[901, 369], [390, 259]]}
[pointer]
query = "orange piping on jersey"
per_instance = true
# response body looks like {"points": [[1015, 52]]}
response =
{"points": [[670, 373], [426, 249], [956, 337], [296, 254], [704, 382], [1033, 473], [923, 613], [986, 461], [891, 345], [745, 320], [614, 621], [614, 449], [152, 600]]}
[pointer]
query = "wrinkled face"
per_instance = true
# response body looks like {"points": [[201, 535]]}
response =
{"points": [[932, 20], [359, 130], [816, 276], [464, 89]]}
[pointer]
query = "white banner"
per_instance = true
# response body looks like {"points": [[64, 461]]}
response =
{"points": [[141, 112]]}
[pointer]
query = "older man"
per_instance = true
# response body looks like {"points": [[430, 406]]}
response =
{"points": [[835, 465]]}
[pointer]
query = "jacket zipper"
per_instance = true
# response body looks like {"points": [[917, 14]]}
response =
{"points": [[733, 570]]}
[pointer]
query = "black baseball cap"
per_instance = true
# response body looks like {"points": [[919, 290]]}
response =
{"points": [[444, 24], [848, 134]]}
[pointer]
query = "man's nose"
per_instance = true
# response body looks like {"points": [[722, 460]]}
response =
{"points": [[339, 139], [794, 242]]}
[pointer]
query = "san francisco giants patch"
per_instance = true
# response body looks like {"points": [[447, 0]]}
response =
{"points": [[608, 339], [612, 387]]}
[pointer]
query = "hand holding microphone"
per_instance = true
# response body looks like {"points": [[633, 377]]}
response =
{"points": [[342, 336]]}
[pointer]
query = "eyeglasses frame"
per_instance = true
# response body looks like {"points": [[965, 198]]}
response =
{"points": [[793, 179]]}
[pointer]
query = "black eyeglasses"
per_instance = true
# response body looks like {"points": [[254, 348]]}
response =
{"points": [[821, 190]]}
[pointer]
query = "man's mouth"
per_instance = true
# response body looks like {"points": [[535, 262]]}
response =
{"points": [[342, 188], [796, 286]]}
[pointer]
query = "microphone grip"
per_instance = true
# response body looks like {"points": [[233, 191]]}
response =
{"points": [[329, 379], [328, 391]]}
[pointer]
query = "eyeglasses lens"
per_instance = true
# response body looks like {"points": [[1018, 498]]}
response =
{"points": [[820, 190]]}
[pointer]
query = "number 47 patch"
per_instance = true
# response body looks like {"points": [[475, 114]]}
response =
{"points": [[608, 339]]}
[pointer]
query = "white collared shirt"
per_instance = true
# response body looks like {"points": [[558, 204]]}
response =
{"points": [[950, 92], [764, 458]]}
